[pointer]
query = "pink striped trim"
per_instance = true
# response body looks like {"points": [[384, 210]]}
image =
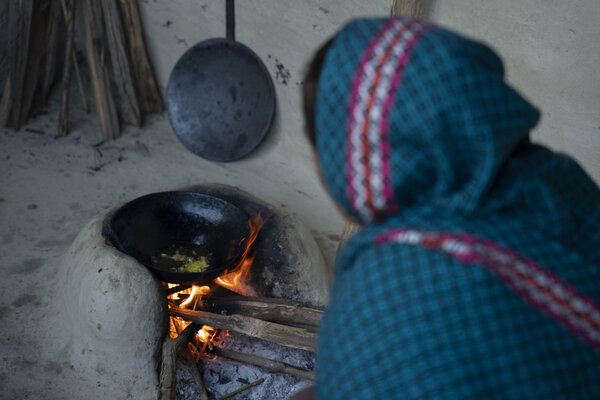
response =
{"points": [[390, 204], [534, 284], [365, 57], [374, 86]]}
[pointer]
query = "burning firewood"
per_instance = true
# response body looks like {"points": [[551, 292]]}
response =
{"points": [[290, 336], [170, 351], [177, 289], [230, 303], [189, 357], [282, 311]]}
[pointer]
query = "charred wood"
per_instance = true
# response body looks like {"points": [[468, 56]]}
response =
{"points": [[283, 311], [170, 351], [290, 336]]}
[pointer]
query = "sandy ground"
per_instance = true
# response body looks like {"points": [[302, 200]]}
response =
{"points": [[52, 186]]}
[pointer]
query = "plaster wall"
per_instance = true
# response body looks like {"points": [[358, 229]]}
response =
{"points": [[551, 50], [52, 187], [284, 34]]}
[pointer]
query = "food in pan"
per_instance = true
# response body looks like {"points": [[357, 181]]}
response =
{"points": [[181, 259]]}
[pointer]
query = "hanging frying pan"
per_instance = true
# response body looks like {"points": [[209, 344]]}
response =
{"points": [[220, 97]]}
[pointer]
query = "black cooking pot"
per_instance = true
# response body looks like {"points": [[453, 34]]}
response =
{"points": [[220, 97], [152, 224]]}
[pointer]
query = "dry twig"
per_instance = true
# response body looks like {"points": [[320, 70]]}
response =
{"points": [[196, 374], [275, 367], [63, 119], [97, 53], [240, 390], [84, 102]]}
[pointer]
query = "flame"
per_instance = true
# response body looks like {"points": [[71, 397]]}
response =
{"points": [[235, 280], [204, 334], [197, 291]]}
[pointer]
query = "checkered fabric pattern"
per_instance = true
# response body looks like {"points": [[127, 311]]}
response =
{"points": [[477, 274]]}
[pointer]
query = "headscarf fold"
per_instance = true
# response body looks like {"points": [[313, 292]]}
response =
{"points": [[417, 131]]}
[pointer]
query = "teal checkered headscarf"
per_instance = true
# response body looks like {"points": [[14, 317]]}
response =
{"points": [[477, 274]]}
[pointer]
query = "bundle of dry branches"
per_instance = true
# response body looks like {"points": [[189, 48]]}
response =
{"points": [[40, 49]]}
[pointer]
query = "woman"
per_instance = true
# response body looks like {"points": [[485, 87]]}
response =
{"points": [[477, 271]]}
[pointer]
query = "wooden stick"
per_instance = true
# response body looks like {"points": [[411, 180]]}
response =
{"points": [[189, 357], [177, 289], [170, 350], [35, 49], [240, 390], [289, 336], [21, 16], [187, 353], [411, 8], [26, 41], [145, 82], [272, 366], [350, 228], [196, 374], [6, 103], [121, 72], [96, 53], [63, 120], [84, 102], [282, 311], [54, 38]]}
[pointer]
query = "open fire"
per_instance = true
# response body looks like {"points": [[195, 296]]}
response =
{"points": [[190, 298], [230, 303], [234, 280]]}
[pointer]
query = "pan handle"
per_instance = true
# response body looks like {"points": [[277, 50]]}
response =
{"points": [[230, 19]]}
